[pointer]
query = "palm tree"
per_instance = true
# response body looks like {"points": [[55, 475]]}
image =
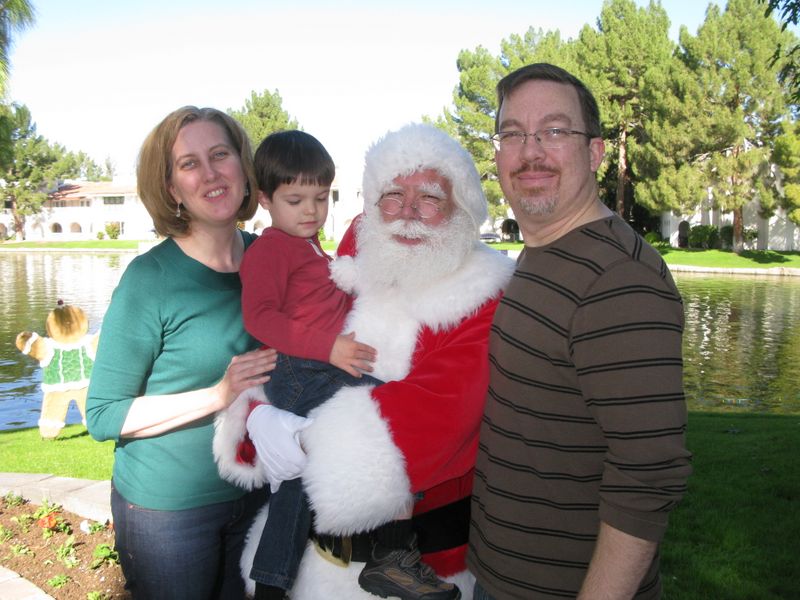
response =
{"points": [[15, 15]]}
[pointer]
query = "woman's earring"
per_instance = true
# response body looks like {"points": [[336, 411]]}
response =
{"points": [[178, 212]]}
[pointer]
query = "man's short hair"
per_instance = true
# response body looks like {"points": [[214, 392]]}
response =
{"points": [[548, 72], [285, 156]]}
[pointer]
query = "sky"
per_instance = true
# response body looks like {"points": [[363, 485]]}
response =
{"points": [[98, 75]]}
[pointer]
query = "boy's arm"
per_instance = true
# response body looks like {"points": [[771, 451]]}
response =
{"points": [[265, 273]]}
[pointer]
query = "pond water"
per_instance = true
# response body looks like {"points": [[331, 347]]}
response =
{"points": [[741, 344], [30, 285]]}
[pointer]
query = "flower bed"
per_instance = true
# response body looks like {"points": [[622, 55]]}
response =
{"points": [[67, 556]]}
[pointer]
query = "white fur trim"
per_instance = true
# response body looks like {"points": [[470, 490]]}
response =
{"points": [[344, 273], [445, 302], [27, 348], [448, 300], [389, 320], [250, 547], [416, 147], [66, 386], [355, 477], [81, 343], [49, 351], [383, 319], [88, 341], [230, 427]]}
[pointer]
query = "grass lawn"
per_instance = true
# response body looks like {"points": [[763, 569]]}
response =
{"points": [[720, 259], [749, 259], [72, 454], [734, 536]]}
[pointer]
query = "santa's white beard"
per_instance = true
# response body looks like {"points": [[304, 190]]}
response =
{"points": [[385, 262]]}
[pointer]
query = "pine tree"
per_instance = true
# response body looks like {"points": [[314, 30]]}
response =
{"points": [[263, 114], [740, 106], [786, 155], [629, 52], [36, 168], [475, 100]]}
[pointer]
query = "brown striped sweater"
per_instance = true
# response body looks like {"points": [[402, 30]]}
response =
{"points": [[585, 414]]}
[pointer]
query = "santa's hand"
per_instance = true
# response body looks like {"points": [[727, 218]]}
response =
{"points": [[276, 436]]}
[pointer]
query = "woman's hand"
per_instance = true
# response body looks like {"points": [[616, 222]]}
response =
{"points": [[154, 415], [244, 371]]}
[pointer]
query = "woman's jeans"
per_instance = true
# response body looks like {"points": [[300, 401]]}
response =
{"points": [[297, 385], [184, 554]]}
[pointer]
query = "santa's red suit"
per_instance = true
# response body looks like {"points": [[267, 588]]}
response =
{"points": [[368, 447]]}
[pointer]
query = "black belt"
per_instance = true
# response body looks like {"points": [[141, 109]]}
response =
{"points": [[438, 529]]}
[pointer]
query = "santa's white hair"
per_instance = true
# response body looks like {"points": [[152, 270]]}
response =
{"points": [[416, 147]]}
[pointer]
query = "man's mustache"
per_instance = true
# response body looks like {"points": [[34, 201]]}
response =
{"points": [[529, 168]]}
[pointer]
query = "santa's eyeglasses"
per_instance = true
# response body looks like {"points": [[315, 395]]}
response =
{"points": [[392, 204]]}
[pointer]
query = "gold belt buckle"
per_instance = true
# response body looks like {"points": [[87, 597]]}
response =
{"points": [[327, 553]]}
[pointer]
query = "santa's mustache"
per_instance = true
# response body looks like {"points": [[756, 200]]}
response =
{"points": [[408, 229]]}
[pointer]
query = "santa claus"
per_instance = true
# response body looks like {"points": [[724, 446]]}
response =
{"points": [[425, 292]]}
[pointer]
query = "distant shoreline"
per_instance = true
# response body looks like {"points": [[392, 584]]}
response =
{"points": [[143, 246], [770, 272]]}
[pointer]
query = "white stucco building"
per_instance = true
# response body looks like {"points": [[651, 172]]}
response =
{"points": [[80, 210], [775, 233]]}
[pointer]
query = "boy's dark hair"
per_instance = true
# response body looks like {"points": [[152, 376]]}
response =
{"points": [[548, 72], [284, 156]]}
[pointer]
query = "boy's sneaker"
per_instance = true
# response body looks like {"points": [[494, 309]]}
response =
{"points": [[399, 572]]}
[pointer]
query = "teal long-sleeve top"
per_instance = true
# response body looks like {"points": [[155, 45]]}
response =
{"points": [[172, 326]]}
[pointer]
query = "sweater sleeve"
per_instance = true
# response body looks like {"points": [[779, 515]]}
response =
{"points": [[265, 272], [130, 340], [435, 412], [626, 345]]}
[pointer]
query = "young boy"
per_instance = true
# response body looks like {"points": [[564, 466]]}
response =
{"points": [[290, 303]]}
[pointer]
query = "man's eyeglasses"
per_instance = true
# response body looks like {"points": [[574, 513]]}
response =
{"points": [[393, 204], [550, 138]]}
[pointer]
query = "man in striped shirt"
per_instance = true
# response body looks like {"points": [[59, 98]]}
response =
{"points": [[582, 452]]}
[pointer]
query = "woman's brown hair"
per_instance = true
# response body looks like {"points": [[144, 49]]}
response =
{"points": [[154, 168]]}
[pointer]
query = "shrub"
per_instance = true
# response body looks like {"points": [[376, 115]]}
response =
{"points": [[704, 236], [726, 236], [113, 229], [750, 234], [653, 238]]}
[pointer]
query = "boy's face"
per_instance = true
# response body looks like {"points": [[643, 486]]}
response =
{"points": [[297, 209]]}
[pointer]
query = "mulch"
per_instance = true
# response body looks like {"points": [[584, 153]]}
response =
{"points": [[67, 556]]}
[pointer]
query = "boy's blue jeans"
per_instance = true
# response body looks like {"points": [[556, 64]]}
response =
{"points": [[297, 385]]}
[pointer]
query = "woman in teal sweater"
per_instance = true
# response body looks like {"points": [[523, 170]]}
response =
{"points": [[172, 353]]}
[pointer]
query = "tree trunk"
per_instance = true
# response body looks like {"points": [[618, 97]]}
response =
{"points": [[19, 221], [738, 230], [622, 171]]}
